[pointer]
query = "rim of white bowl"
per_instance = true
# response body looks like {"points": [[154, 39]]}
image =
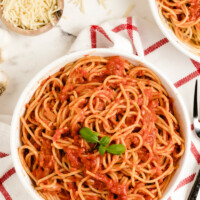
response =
{"points": [[185, 49], [52, 68]]}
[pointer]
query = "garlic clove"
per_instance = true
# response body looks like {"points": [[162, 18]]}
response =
{"points": [[3, 82]]}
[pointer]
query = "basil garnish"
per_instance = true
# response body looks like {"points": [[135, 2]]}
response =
{"points": [[116, 149], [88, 135], [92, 137], [104, 141]]}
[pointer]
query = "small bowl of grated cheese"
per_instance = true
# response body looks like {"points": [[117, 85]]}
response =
{"points": [[31, 17]]}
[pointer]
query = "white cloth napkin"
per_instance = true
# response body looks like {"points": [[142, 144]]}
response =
{"points": [[124, 35]]}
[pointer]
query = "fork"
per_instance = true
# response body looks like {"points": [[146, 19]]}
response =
{"points": [[195, 189]]}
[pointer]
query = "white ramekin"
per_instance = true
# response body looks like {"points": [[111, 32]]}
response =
{"points": [[179, 108], [187, 50]]}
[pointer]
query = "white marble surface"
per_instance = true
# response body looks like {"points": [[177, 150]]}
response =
{"points": [[27, 55]]}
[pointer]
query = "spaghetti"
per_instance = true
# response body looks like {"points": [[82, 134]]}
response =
{"points": [[114, 98], [183, 16]]}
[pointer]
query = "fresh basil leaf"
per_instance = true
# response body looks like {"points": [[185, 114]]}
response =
{"points": [[116, 149], [104, 141], [96, 133], [102, 150], [89, 135]]}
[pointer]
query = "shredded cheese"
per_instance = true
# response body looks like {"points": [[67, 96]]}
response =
{"points": [[80, 4], [29, 14], [103, 3], [129, 9], [82, 7], [109, 12]]}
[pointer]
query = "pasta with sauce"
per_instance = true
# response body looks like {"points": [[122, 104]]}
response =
{"points": [[183, 16], [115, 98]]}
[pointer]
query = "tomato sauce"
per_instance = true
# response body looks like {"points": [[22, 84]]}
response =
{"points": [[157, 171], [82, 88], [148, 198], [90, 162], [38, 173], [78, 160], [194, 10], [73, 156], [99, 185], [116, 66], [131, 141], [140, 101], [78, 141], [143, 154], [130, 120], [72, 187], [46, 159], [141, 73], [115, 188], [92, 198], [149, 136], [59, 132], [149, 118], [81, 73], [63, 96]]}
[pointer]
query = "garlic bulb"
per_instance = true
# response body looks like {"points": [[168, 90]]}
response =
{"points": [[5, 39], [3, 82]]}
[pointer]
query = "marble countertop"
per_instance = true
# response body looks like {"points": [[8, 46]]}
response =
{"points": [[28, 55]]}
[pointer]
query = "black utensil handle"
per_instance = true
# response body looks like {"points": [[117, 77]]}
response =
{"points": [[195, 188]]}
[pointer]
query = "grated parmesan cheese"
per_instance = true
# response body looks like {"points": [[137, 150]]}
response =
{"points": [[29, 14], [109, 12], [129, 9], [80, 4], [103, 3]]}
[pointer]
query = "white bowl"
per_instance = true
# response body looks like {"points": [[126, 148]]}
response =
{"points": [[187, 50], [179, 109]]}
